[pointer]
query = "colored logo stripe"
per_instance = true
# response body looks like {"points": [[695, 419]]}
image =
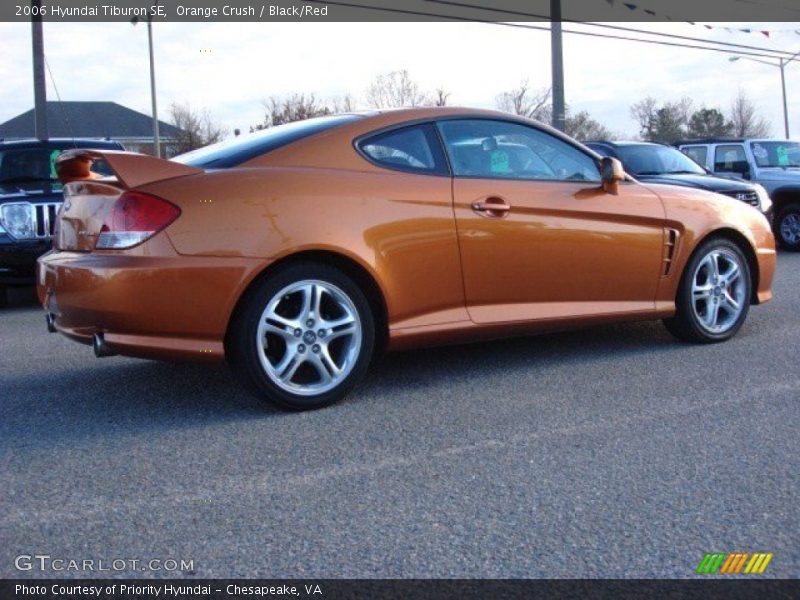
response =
{"points": [[733, 562], [710, 563], [758, 563]]}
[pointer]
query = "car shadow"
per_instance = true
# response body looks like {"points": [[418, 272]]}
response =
{"points": [[119, 396]]}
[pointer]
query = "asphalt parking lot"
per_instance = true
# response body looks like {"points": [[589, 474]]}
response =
{"points": [[610, 452]]}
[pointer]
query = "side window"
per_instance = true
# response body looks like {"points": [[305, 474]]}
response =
{"points": [[730, 158], [416, 148], [697, 153], [501, 149]]}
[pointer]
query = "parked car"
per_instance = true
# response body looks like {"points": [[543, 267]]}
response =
{"points": [[657, 163], [30, 196], [300, 251], [775, 164]]}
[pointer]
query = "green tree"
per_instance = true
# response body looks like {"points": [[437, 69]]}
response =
{"points": [[666, 123], [707, 123]]}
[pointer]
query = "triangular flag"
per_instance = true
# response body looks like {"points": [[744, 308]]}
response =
{"points": [[630, 6], [708, 26], [766, 33], [746, 30], [650, 12]]}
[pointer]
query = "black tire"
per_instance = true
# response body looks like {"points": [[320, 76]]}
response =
{"points": [[686, 325], [791, 211], [242, 346]]}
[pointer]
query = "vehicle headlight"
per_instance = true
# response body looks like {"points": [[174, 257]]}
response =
{"points": [[17, 219], [764, 201]]}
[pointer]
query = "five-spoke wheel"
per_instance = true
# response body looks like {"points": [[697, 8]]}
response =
{"points": [[303, 336], [309, 337], [714, 293], [718, 290]]}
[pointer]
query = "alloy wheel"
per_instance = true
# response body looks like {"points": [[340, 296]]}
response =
{"points": [[718, 291], [790, 228], [309, 337]]}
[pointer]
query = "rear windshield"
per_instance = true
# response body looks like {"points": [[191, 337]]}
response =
{"points": [[38, 163], [241, 149]]}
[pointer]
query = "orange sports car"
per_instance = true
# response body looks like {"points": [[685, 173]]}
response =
{"points": [[298, 252]]}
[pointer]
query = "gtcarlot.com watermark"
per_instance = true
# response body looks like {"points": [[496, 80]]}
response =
{"points": [[45, 562]]}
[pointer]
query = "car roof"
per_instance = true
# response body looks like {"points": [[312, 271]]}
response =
{"points": [[622, 143], [74, 142], [711, 141]]}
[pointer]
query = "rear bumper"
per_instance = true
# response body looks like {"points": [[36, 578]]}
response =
{"points": [[151, 303]]}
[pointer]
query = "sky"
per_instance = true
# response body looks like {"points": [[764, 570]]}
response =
{"points": [[229, 69]]}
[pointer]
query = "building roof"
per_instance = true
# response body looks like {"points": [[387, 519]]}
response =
{"points": [[88, 120]]}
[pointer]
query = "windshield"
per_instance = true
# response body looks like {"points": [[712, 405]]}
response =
{"points": [[28, 164], [22, 165], [776, 154], [241, 149], [656, 160]]}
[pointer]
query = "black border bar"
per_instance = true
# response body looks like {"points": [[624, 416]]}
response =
{"points": [[401, 589], [750, 11]]}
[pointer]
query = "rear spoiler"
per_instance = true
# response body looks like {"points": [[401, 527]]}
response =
{"points": [[131, 169]]}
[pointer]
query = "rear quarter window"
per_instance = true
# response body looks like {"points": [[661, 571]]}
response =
{"points": [[415, 148]]}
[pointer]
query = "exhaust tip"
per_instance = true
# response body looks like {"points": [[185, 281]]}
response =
{"points": [[101, 350], [51, 322]]}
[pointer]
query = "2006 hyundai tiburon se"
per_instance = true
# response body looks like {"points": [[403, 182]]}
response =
{"points": [[298, 252]]}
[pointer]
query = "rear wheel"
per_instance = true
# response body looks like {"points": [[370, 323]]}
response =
{"points": [[714, 294], [787, 227], [303, 337]]}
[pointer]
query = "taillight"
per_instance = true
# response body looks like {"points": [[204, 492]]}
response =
{"points": [[135, 217]]}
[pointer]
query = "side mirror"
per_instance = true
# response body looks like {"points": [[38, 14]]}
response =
{"points": [[611, 173]]}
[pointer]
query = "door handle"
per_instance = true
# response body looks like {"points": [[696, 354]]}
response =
{"points": [[492, 207]]}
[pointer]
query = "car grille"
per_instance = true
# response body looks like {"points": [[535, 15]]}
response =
{"points": [[749, 197], [44, 219]]}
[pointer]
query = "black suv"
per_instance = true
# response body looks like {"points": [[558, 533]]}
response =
{"points": [[30, 196], [657, 163]]}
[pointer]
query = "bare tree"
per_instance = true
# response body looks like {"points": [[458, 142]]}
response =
{"points": [[343, 104], [197, 128], [395, 89], [745, 120], [526, 102], [296, 107], [441, 97], [583, 127], [644, 112]]}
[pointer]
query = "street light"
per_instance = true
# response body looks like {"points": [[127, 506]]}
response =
{"points": [[149, 19], [781, 64]]}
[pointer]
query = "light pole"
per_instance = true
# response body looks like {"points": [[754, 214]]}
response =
{"points": [[156, 136], [781, 64]]}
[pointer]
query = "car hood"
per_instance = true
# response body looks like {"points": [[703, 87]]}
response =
{"points": [[681, 203], [31, 192], [711, 183]]}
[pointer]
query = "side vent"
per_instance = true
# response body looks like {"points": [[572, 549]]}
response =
{"points": [[670, 244]]}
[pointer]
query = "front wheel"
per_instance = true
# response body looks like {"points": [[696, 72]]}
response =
{"points": [[787, 227], [714, 294], [303, 336]]}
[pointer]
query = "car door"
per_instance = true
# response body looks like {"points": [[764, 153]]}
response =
{"points": [[539, 237]]}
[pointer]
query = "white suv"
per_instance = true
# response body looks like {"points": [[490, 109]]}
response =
{"points": [[775, 164]]}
